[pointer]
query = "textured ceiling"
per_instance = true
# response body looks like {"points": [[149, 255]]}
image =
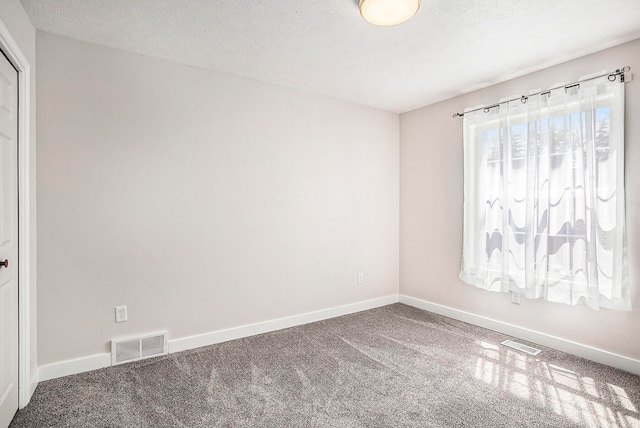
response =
{"points": [[325, 47]]}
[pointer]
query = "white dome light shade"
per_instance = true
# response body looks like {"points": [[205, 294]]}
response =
{"points": [[388, 12]]}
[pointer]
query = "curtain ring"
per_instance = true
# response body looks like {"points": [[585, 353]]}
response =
{"points": [[523, 100], [610, 77], [486, 110]]}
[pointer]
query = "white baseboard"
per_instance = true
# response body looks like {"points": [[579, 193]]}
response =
{"points": [[219, 336], [77, 365], [94, 362], [594, 354]]}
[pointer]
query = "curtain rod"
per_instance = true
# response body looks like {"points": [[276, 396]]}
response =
{"points": [[619, 72]]}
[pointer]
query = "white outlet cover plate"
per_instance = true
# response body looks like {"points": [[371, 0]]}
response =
{"points": [[515, 297], [121, 313]]}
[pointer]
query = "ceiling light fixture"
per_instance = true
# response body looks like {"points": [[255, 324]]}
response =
{"points": [[388, 12]]}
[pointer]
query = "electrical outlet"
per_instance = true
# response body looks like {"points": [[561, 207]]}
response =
{"points": [[360, 278], [121, 313], [515, 297]]}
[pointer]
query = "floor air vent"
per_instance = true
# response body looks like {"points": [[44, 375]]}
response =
{"points": [[138, 348], [520, 347]]}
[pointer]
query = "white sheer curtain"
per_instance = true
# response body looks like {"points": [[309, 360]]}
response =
{"points": [[544, 210]]}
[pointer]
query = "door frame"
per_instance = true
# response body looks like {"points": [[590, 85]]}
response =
{"points": [[12, 51]]}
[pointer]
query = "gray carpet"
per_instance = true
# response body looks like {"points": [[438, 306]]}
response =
{"points": [[394, 366]]}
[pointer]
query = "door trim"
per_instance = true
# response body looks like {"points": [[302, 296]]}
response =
{"points": [[12, 51]]}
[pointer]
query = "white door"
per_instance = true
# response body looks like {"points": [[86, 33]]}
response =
{"points": [[8, 241]]}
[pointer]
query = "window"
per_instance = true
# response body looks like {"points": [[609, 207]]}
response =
{"points": [[544, 196]]}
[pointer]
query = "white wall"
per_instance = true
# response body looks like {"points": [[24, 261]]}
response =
{"points": [[205, 201], [18, 24], [431, 189], [200, 200]]}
